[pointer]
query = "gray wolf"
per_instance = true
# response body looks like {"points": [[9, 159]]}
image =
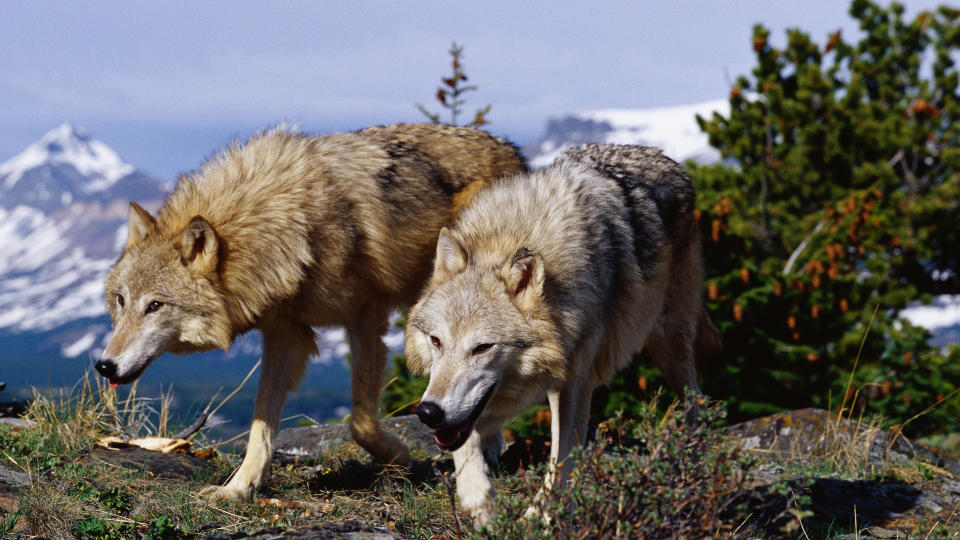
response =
{"points": [[286, 232], [545, 284]]}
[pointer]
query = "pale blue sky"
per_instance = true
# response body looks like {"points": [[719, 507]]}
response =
{"points": [[166, 83]]}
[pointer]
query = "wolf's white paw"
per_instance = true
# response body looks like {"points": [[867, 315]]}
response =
{"points": [[228, 492], [482, 512]]}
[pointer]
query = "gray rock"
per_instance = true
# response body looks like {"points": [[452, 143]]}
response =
{"points": [[15, 423], [11, 480], [313, 442], [812, 432], [886, 508]]}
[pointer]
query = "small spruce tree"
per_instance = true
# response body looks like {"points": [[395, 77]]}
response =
{"points": [[450, 93], [836, 203]]}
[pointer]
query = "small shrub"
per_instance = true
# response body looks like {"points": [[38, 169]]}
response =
{"points": [[96, 529], [681, 480], [163, 528]]}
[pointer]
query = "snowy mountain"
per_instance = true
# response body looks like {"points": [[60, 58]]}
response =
{"points": [[673, 129], [63, 207]]}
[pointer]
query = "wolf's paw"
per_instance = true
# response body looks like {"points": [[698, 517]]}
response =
{"points": [[227, 493], [482, 512]]}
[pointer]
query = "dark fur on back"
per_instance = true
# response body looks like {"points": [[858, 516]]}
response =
{"points": [[657, 192]]}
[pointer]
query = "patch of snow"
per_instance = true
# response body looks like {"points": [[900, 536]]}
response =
{"points": [[546, 158], [80, 346], [942, 312], [28, 240], [120, 238], [672, 129], [47, 281]]}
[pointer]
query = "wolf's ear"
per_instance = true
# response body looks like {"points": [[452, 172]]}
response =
{"points": [[523, 277], [198, 246], [450, 259], [141, 225]]}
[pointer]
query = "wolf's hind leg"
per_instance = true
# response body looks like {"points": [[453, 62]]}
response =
{"points": [[673, 354], [286, 349], [368, 359]]}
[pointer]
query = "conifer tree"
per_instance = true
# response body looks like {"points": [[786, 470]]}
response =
{"points": [[835, 204], [450, 93]]}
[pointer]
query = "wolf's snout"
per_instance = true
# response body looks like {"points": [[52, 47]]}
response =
{"points": [[430, 414], [106, 368]]}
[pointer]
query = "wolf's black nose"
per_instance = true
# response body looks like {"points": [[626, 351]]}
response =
{"points": [[430, 413], [106, 368]]}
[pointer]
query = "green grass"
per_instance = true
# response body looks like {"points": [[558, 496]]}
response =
{"points": [[681, 479]]}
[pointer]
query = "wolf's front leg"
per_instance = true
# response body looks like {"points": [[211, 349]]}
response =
{"points": [[569, 413], [473, 480], [286, 348], [369, 357]]}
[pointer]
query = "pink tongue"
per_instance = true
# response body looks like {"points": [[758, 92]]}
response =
{"points": [[114, 385]]}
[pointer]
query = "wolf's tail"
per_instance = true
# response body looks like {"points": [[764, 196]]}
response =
{"points": [[708, 344]]}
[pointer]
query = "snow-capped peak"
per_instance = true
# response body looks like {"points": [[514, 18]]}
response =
{"points": [[672, 129], [69, 145]]}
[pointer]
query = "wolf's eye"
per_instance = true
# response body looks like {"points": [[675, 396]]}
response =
{"points": [[436, 341], [482, 348], [153, 307], [120, 300]]}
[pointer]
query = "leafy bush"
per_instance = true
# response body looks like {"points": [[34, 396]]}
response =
{"points": [[681, 481], [835, 204]]}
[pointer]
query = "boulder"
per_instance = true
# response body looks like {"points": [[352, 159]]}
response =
{"points": [[310, 443]]}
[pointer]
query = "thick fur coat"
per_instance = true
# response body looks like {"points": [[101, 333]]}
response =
{"points": [[546, 284], [287, 232]]}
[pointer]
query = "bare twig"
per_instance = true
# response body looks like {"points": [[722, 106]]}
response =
{"points": [[237, 389], [445, 478], [190, 430]]}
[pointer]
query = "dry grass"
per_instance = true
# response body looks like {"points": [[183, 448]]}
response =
{"points": [[679, 478], [91, 410]]}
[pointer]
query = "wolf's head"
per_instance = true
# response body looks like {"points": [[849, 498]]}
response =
{"points": [[163, 295], [480, 331]]}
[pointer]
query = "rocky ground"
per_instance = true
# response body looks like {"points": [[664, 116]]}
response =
{"points": [[842, 475]]}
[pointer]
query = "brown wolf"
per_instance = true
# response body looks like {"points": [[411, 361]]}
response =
{"points": [[546, 284], [287, 232]]}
